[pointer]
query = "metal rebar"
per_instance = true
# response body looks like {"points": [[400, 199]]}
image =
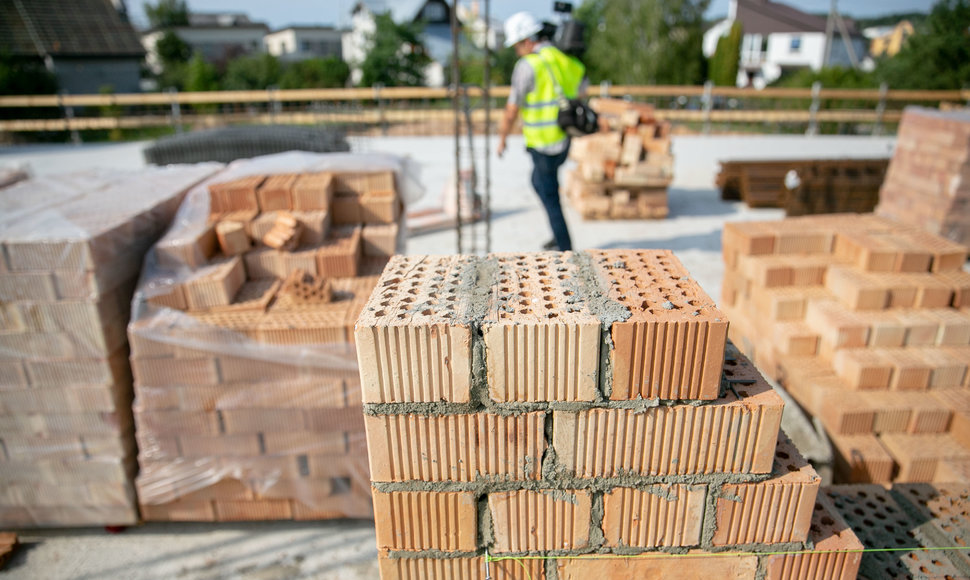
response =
{"points": [[487, 92], [456, 106]]}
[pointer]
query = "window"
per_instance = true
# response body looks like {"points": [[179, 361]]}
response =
{"points": [[435, 12], [796, 44], [306, 46]]}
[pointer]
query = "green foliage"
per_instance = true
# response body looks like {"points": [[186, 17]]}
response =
{"points": [[200, 75], [316, 73], [396, 58], [25, 77], [645, 41], [167, 13], [473, 66], [171, 49], [723, 69], [937, 56], [252, 73], [830, 77]]}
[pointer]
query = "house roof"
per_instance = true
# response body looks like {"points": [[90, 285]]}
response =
{"points": [[66, 28], [401, 10], [310, 27], [766, 17]]}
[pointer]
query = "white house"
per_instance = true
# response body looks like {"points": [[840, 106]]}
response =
{"points": [[778, 37], [218, 37], [435, 16], [302, 42]]}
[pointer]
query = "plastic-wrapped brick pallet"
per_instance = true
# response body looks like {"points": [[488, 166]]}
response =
{"points": [[72, 248], [247, 401]]}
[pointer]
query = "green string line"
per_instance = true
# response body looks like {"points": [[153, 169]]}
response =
{"points": [[491, 558]]}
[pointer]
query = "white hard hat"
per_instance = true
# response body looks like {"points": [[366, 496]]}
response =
{"points": [[519, 27]]}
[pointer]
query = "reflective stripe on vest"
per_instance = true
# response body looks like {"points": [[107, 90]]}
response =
{"points": [[540, 112]]}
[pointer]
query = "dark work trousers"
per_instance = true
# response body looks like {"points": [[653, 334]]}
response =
{"points": [[545, 180]]}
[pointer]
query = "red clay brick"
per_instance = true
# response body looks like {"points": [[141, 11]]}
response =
{"points": [[836, 555], [863, 368], [455, 447], [275, 193], [215, 285], [861, 459], [691, 566], [413, 339], [918, 455], [530, 521], [312, 191], [773, 511], [541, 340], [730, 435], [672, 346], [252, 510], [857, 290], [426, 520], [458, 569], [169, 372], [663, 515]]}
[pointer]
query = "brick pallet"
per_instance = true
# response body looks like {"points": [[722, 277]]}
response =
{"points": [[247, 395], [72, 249], [824, 185], [928, 182], [625, 173], [865, 322], [557, 405]]}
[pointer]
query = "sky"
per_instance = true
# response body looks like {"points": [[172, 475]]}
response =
{"points": [[279, 13]]}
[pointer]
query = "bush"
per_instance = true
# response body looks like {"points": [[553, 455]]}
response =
{"points": [[315, 73]]}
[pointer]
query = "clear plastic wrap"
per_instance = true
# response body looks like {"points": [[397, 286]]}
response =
{"points": [[72, 249], [247, 399]]}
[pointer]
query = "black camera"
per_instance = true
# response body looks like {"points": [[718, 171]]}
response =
{"points": [[570, 37]]}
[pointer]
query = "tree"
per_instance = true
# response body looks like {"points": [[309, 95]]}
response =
{"points": [[397, 57], [723, 67], [316, 73], [172, 50], [25, 77], [167, 13], [200, 75], [252, 73], [645, 41], [937, 56]]}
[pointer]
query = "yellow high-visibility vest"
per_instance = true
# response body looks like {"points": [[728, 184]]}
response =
{"points": [[540, 112]]}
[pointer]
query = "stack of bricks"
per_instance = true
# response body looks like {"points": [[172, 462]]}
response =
{"points": [[72, 249], [247, 399], [823, 185], [866, 323], [573, 410], [915, 530], [624, 173], [928, 182]]}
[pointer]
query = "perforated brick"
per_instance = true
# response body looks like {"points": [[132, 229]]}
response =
{"points": [[836, 553], [733, 434], [861, 459], [945, 511], [530, 521], [880, 522], [458, 569], [414, 336], [426, 520], [312, 191], [275, 193], [541, 340], [672, 345], [662, 515], [691, 566], [918, 455], [215, 285], [455, 447], [773, 511]]}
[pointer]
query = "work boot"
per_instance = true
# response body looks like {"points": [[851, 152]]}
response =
{"points": [[550, 245]]}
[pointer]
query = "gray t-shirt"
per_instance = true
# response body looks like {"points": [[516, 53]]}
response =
{"points": [[524, 82]]}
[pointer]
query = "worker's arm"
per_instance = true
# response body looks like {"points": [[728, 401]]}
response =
{"points": [[505, 127]]}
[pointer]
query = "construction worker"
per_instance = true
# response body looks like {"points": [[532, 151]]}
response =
{"points": [[542, 73]]}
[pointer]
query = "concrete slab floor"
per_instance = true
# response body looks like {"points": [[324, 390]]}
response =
{"points": [[346, 549]]}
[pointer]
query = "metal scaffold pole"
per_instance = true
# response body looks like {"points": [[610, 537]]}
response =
{"points": [[487, 92]]}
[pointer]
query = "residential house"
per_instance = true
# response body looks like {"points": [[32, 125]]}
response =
{"points": [[778, 37], [218, 37], [435, 15], [89, 45], [302, 42]]}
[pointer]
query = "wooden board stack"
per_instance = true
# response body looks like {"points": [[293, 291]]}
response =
{"points": [[247, 400], [624, 173], [577, 411], [928, 183], [72, 249], [866, 322]]}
